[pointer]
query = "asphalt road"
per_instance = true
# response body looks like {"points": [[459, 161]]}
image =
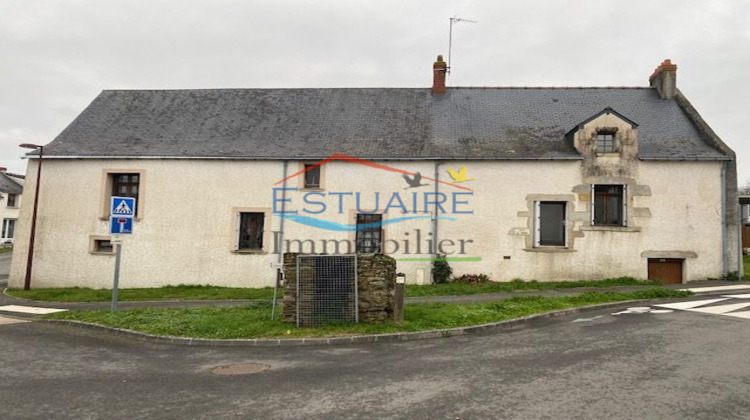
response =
{"points": [[679, 365]]}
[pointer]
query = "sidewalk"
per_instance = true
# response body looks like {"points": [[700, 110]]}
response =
{"points": [[8, 300]]}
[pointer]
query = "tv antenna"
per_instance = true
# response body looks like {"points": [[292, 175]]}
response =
{"points": [[454, 19]]}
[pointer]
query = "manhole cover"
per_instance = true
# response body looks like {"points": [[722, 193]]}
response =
{"points": [[243, 369]]}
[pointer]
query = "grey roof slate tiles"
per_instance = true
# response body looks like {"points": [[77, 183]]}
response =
{"points": [[9, 185], [473, 123]]}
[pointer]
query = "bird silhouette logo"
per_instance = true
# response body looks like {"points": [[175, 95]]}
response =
{"points": [[460, 176], [414, 182]]}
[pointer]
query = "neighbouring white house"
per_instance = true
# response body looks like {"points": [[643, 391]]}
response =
{"points": [[546, 183], [11, 189]]}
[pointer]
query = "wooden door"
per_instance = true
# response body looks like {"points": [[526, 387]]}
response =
{"points": [[666, 270]]}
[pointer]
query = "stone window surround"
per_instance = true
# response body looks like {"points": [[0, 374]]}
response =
{"points": [[267, 230], [634, 189], [616, 142], [579, 222], [570, 219], [93, 247], [106, 191], [301, 177], [352, 235]]}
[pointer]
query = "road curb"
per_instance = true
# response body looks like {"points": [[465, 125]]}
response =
{"points": [[357, 339]]}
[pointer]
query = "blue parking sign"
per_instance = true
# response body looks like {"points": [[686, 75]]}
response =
{"points": [[122, 207], [120, 225]]}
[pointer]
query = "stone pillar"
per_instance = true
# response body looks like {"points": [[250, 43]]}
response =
{"points": [[376, 284]]}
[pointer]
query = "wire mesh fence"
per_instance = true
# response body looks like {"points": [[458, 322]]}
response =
{"points": [[326, 289]]}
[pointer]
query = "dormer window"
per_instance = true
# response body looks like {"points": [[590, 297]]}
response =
{"points": [[605, 142]]}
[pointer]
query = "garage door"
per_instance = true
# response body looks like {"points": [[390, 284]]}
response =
{"points": [[666, 270]]}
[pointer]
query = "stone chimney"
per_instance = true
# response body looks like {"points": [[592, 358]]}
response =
{"points": [[664, 79], [439, 70]]}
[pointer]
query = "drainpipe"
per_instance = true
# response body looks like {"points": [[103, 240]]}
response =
{"points": [[724, 236], [280, 237], [437, 206], [740, 265]]}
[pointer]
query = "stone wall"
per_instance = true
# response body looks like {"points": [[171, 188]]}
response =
{"points": [[376, 282]]}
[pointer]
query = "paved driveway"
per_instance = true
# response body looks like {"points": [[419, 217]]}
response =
{"points": [[593, 366]]}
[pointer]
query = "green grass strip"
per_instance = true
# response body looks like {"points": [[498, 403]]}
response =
{"points": [[252, 321], [454, 289], [185, 292]]}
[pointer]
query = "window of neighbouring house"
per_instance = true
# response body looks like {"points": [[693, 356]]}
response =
{"points": [[605, 142], [12, 200], [9, 227], [312, 176], [250, 236], [370, 236], [608, 205], [126, 185], [550, 223]]}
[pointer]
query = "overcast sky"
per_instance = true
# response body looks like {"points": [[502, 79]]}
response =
{"points": [[56, 56]]}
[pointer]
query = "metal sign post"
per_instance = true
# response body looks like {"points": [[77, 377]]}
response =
{"points": [[122, 212], [117, 242]]}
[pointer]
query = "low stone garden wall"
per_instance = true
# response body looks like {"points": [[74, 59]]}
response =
{"points": [[376, 282]]}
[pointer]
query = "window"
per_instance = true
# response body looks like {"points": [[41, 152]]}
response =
{"points": [[103, 245], [370, 236], [250, 231], [9, 227], [126, 185], [312, 176], [608, 205], [550, 223], [12, 200], [605, 142]]}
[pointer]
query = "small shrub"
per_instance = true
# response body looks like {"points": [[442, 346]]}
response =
{"points": [[441, 270], [472, 279]]}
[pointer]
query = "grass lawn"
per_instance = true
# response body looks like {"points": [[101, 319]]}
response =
{"points": [[252, 321], [746, 262], [183, 292], [5, 250]]}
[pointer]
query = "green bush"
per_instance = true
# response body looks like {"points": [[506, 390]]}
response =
{"points": [[441, 270]]}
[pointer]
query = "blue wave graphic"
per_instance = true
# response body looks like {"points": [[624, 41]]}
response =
{"points": [[340, 227]]}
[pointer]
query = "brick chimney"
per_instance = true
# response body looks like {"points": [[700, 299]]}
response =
{"points": [[438, 76], [664, 79]]}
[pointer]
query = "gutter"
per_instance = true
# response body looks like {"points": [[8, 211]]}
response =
{"points": [[380, 158]]}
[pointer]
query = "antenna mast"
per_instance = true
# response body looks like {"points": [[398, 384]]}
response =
{"points": [[454, 19]]}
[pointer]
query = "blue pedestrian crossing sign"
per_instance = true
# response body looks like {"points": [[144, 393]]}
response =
{"points": [[120, 225], [123, 207]]}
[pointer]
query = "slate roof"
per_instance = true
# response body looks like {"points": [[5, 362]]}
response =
{"points": [[10, 185], [473, 123]]}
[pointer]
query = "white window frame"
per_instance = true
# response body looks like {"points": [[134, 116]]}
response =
{"points": [[6, 223], [624, 205]]}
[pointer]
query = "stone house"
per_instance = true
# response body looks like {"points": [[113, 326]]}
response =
{"points": [[11, 190], [531, 182]]}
